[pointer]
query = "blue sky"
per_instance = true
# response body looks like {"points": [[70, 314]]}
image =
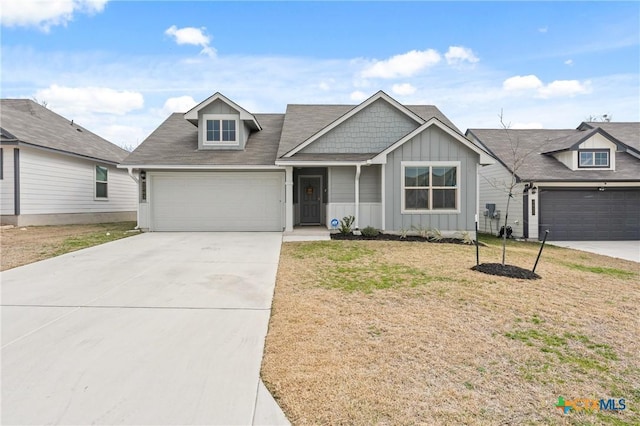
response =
{"points": [[120, 68]]}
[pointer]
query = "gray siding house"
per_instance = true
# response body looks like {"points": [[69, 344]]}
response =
{"points": [[580, 184], [53, 171], [218, 167]]}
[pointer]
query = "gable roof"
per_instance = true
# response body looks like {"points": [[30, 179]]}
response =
{"points": [[192, 114], [628, 133], [304, 121], [541, 167], [573, 141], [175, 143], [25, 121]]}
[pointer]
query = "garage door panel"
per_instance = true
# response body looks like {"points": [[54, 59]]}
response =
{"points": [[221, 201], [582, 215]]}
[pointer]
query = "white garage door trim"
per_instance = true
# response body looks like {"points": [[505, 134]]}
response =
{"points": [[216, 201]]}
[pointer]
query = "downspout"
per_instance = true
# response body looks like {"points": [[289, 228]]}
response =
{"points": [[137, 181], [356, 226]]}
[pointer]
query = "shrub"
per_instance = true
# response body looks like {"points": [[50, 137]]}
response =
{"points": [[345, 224], [435, 234], [370, 232]]}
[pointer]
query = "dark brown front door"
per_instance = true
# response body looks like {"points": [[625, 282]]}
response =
{"points": [[310, 200]]}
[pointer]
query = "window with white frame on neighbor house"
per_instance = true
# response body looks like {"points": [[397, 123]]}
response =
{"points": [[430, 187], [102, 177], [221, 131], [593, 158]]}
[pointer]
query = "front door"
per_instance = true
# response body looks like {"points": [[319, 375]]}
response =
{"points": [[310, 200]]}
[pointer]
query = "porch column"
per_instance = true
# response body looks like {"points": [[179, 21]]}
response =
{"points": [[288, 204], [357, 209]]}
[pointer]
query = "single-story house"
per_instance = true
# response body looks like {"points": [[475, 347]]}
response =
{"points": [[580, 184], [54, 172], [219, 167]]}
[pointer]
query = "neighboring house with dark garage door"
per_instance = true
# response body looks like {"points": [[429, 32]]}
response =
{"points": [[54, 172], [219, 167], [581, 184]]}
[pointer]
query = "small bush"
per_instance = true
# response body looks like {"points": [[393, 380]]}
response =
{"points": [[370, 232], [435, 234], [345, 224]]}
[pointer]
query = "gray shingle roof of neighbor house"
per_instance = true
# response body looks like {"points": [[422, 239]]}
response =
{"points": [[544, 167], [303, 121], [175, 143], [627, 133], [25, 121]]}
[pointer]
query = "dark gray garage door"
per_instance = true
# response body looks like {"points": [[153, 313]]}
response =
{"points": [[590, 214]]}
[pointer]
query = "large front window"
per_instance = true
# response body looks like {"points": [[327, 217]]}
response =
{"points": [[221, 131], [430, 187], [593, 158]]}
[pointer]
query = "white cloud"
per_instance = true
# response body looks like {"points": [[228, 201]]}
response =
{"points": [[519, 82], [543, 30], [193, 36], [358, 96], [403, 89], [404, 65], [45, 14], [82, 100], [560, 88], [458, 54], [557, 88], [568, 62], [178, 104]]}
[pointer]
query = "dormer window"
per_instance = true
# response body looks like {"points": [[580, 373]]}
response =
{"points": [[594, 158], [220, 130]]}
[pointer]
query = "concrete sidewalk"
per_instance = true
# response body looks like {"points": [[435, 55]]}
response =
{"points": [[160, 328], [628, 250]]}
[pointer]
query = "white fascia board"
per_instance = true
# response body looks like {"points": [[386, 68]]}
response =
{"points": [[379, 95], [322, 163], [245, 115], [195, 167], [585, 184], [485, 158]]}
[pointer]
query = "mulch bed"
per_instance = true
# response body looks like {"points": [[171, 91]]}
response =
{"points": [[394, 237], [506, 271]]}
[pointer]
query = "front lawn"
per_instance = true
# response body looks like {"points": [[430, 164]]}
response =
{"points": [[366, 332]]}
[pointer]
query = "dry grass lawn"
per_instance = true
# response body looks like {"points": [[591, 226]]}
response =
{"points": [[372, 332], [23, 245]]}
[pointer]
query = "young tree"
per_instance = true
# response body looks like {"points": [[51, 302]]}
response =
{"points": [[517, 156]]}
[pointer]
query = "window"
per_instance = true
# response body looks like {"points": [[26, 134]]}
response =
{"points": [[593, 158], [101, 181], [430, 187], [221, 131]]}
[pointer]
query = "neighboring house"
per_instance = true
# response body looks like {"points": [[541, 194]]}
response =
{"points": [[54, 172], [580, 184], [219, 167]]}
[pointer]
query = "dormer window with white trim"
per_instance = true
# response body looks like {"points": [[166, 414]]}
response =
{"points": [[593, 158], [221, 130]]}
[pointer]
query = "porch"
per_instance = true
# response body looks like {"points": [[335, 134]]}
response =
{"points": [[307, 233]]}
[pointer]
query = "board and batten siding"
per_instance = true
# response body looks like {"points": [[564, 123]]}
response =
{"points": [[494, 182], [51, 183], [221, 108], [370, 130], [433, 144], [7, 206], [342, 181]]}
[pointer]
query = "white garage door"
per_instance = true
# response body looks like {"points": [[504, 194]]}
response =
{"points": [[217, 201]]}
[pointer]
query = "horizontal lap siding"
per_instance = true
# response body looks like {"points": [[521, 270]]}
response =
{"points": [[494, 182], [431, 145], [7, 183], [51, 183]]}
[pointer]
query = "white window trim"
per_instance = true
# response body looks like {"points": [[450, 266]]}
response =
{"points": [[219, 117], [96, 181], [458, 188]]}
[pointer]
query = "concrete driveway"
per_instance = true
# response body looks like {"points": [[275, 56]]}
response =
{"points": [[628, 250], [160, 328]]}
